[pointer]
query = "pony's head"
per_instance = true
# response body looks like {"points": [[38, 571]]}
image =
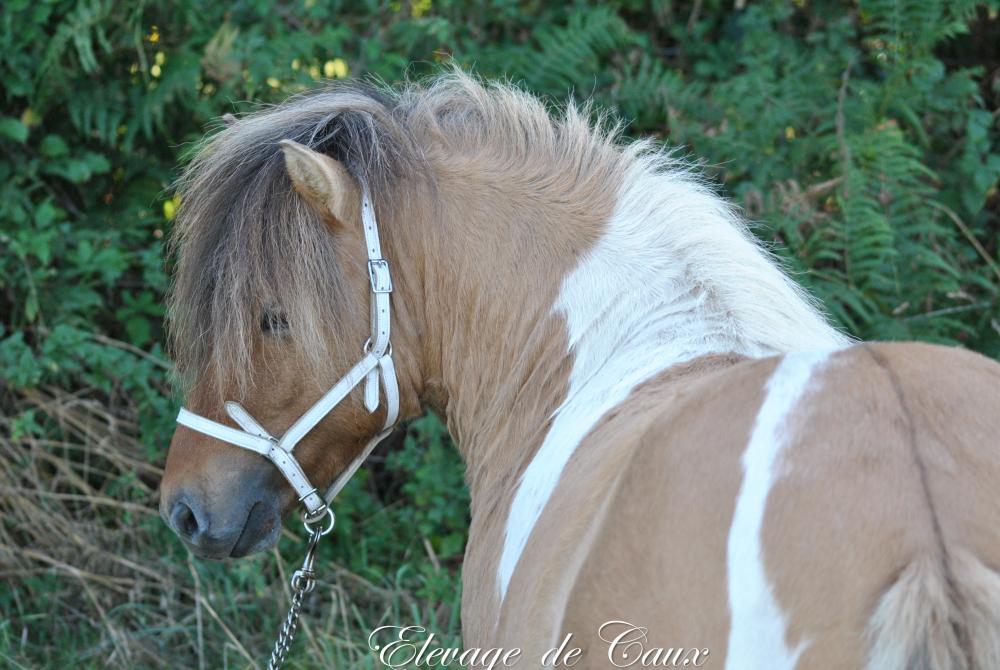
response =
{"points": [[269, 305]]}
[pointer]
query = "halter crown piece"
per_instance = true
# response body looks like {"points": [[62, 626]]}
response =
{"points": [[374, 367]]}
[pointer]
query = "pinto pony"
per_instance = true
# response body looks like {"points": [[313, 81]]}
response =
{"points": [[659, 427]]}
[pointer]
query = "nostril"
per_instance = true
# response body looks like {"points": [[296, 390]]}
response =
{"points": [[184, 520]]}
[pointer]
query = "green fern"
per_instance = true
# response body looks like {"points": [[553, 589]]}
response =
{"points": [[568, 58]]}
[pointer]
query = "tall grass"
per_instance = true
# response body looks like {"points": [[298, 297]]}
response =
{"points": [[93, 578]]}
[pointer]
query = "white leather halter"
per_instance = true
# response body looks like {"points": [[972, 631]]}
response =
{"points": [[375, 365]]}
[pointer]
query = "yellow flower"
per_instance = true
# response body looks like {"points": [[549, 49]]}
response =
{"points": [[29, 117], [336, 68], [170, 208], [420, 7], [273, 82], [155, 70], [789, 133]]}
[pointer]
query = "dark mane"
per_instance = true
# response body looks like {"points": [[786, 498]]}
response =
{"points": [[244, 240]]}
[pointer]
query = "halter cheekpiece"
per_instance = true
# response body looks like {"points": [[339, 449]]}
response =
{"points": [[375, 367]]}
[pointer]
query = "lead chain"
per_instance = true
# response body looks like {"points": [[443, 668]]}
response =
{"points": [[303, 582]]}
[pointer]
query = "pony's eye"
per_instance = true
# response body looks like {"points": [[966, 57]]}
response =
{"points": [[273, 322]]}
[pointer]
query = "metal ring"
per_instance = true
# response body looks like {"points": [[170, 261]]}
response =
{"points": [[368, 347], [309, 520]]}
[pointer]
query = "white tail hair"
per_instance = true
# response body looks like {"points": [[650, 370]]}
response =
{"points": [[927, 622]]}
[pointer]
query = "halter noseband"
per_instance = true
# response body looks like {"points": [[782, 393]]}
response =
{"points": [[375, 365]]}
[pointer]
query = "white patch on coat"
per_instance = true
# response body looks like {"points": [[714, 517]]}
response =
{"points": [[757, 625], [675, 276]]}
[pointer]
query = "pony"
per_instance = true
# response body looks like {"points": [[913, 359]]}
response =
{"points": [[667, 445]]}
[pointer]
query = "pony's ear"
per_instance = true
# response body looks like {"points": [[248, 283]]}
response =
{"points": [[324, 183]]}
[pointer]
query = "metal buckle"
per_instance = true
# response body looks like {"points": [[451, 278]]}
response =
{"points": [[307, 494], [378, 275]]}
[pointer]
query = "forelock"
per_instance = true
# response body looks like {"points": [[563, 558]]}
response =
{"points": [[245, 242]]}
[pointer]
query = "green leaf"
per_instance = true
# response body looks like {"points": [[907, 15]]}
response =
{"points": [[12, 129], [53, 146]]}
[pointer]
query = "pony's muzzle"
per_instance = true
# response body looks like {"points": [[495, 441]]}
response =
{"points": [[220, 527]]}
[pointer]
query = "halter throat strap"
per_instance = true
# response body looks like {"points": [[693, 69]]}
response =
{"points": [[375, 370]]}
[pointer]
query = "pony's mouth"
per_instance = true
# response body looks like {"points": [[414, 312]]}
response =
{"points": [[260, 531]]}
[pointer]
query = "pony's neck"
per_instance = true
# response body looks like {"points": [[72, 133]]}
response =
{"points": [[544, 310]]}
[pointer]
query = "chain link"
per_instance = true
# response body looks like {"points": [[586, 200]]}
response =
{"points": [[287, 633], [303, 582]]}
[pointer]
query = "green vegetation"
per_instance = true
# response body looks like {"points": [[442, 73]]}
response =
{"points": [[863, 135]]}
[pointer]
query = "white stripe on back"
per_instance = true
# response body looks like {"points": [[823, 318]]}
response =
{"points": [[757, 625]]}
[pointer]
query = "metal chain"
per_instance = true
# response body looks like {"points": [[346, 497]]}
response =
{"points": [[303, 582], [287, 633]]}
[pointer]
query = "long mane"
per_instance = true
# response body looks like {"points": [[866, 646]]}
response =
{"points": [[245, 242]]}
